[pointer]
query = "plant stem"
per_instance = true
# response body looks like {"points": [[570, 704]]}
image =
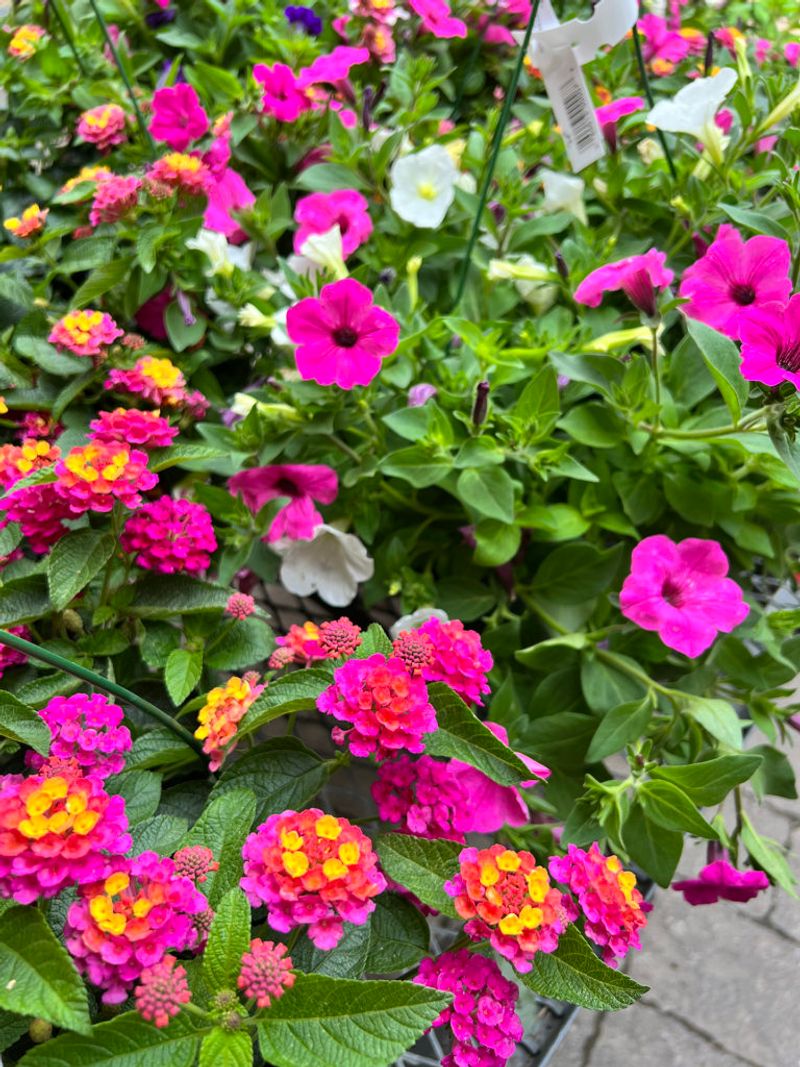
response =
{"points": [[124, 75], [637, 47], [633, 672], [56, 6], [656, 376], [497, 144], [97, 680]]}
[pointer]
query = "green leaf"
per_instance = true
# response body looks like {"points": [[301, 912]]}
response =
{"points": [[141, 791], [16, 298], [553, 522], [489, 491], [294, 692], [756, 221], [226, 1048], [183, 334], [722, 359], [101, 280], [775, 777], [47, 357], [665, 804], [496, 542], [605, 687], [461, 735], [167, 595], [228, 939], [421, 866], [23, 724], [416, 465], [74, 561], [464, 598], [37, 976], [282, 773], [619, 727], [325, 177], [718, 717], [347, 960], [399, 935], [768, 856], [335, 1022], [788, 448], [86, 254], [127, 1041], [182, 454], [541, 656], [656, 850], [159, 748], [182, 673], [373, 640], [223, 827], [24, 600], [160, 833], [575, 974], [593, 424], [10, 537], [573, 574], [246, 645], [709, 782]]}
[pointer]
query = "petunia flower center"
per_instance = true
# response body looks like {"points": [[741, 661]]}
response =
{"points": [[672, 592], [286, 487], [743, 294], [788, 357], [427, 190], [345, 337]]}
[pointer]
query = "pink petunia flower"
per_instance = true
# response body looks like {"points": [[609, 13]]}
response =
{"points": [[227, 193], [791, 53], [734, 276], [341, 335], [438, 19], [334, 67], [609, 115], [762, 50], [770, 337], [178, 116], [320, 212], [637, 276], [721, 881], [284, 97], [662, 47], [303, 483], [682, 593]]}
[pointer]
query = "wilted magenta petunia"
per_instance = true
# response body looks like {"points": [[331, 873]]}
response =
{"points": [[320, 212], [178, 116], [770, 337], [341, 335], [609, 115], [637, 276], [734, 276], [681, 591], [303, 483], [721, 881]]}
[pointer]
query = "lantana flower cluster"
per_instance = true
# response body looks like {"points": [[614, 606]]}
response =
{"points": [[171, 536], [89, 730], [219, 717], [93, 476]]}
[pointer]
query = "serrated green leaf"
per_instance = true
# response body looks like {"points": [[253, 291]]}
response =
{"points": [[228, 939], [48, 357], [182, 673], [226, 1048], [655, 849], [373, 640], [10, 537], [223, 827], [159, 748], [421, 866], [247, 645], [282, 773], [347, 960], [666, 805], [101, 280], [619, 727], [722, 359], [167, 595], [23, 724], [399, 935], [24, 600], [141, 791], [86, 254], [710, 782], [718, 717], [127, 1041], [334, 1022], [575, 974], [37, 976], [294, 692], [461, 735], [159, 833], [74, 561]]}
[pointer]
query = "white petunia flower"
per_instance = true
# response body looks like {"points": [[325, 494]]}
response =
{"points": [[222, 257], [415, 619], [325, 250], [692, 110], [331, 564], [563, 192], [423, 186]]}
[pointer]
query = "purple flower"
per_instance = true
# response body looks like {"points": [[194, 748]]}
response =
{"points": [[420, 394], [305, 17], [721, 881]]}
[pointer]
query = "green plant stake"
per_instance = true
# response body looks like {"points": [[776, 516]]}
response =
{"points": [[637, 47], [67, 31]]}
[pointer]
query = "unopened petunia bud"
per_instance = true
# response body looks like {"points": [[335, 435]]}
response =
{"points": [[481, 405]]}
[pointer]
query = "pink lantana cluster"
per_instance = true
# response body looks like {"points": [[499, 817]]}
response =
{"points": [[607, 896], [221, 714], [311, 868], [178, 173], [85, 332], [87, 729], [240, 606], [459, 659], [162, 991], [37, 509], [93, 476], [103, 126], [144, 429], [508, 900], [422, 795], [128, 921], [159, 382], [266, 972], [482, 1016], [309, 642], [172, 536], [114, 197], [195, 862], [388, 708], [10, 657], [56, 829]]}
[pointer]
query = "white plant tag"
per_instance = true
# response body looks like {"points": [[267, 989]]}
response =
{"points": [[568, 93]]}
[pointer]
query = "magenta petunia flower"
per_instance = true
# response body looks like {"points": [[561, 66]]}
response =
{"points": [[770, 337], [284, 97], [438, 19], [681, 591], [341, 336], [334, 67], [637, 276], [721, 881], [662, 46], [735, 275], [302, 483], [227, 192], [320, 212], [609, 115], [178, 116]]}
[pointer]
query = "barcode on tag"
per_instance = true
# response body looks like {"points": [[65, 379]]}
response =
{"points": [[568, 93]]}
